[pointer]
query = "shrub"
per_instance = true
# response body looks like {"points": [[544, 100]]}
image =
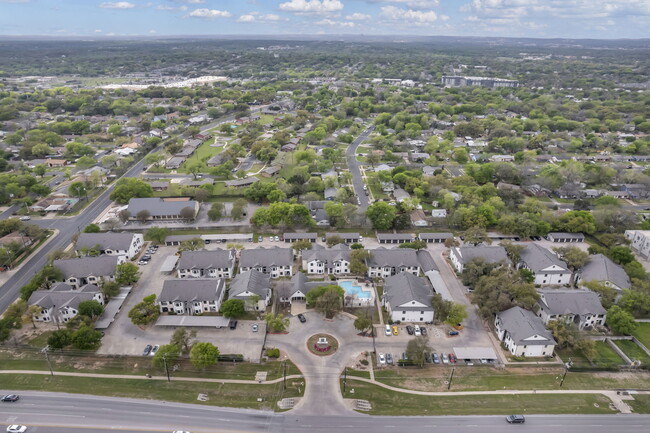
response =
{"points": [[273, 352]]}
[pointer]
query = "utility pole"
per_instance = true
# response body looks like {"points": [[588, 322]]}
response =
{"points": [[566, 370], [284, 373], [166, 368], [451, 376], [345, 379], [47, 358], [374, 348]]}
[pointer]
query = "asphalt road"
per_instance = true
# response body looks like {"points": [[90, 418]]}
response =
{"points": [[58, 412], [353, 165]]}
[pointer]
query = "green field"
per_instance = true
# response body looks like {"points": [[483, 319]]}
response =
{"points": [[642, 333], [228, 395], [605, 357], [387, 402], [633, 351], [202, 154], [640, 404]]}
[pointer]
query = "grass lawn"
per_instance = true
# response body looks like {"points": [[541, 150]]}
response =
{"points": [[633, 351], [605, 357], [642, 332], [375, 186], [478, 378], [387, 402], [229, 395], [201, 154], [640, 404]]}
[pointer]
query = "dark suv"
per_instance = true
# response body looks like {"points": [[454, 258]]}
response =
{"points": [[410, 329], [233, 324], [302, 318], [515, 419]]}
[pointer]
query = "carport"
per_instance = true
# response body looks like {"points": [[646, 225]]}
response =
{"points": [[439, 285], [194, 321], [474, 352], [169, 264], [112, 308]]}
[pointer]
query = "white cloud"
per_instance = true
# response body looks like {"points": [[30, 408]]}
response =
{"points": [[358, 17], [415, 4], [195, 1], [258, 17], [117, 5], [332, 23], [312, 7], [408, 16], [578, 9], [209, 13], [98, 31], [246, 19]]}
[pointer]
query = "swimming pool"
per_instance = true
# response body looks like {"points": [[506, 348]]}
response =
{"points": [[355, 290]]}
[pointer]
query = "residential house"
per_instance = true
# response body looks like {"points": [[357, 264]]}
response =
{"points": [[252, 287], [600, 268], [112, 244], [216, 160], [159, 208], [174, 162], [640, 242], [61, 302], [581, 307], [418, 218], [206, 264], [240, 183], [332, 261], [56, 162], [382, 167], [401, 195], [88, 270], [54, 203], [502, 158], [158, 185], [191, 296], [435, 238], [277, 262], [297, 289], [271, 171], [523, 333], [407, 298], [394, 238], [330, 194], [15, 238], [384, 262], [547, 267], [293, 237], [439, 213], [565, 237], [460, 256]]}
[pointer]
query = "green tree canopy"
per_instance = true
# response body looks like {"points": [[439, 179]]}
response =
{"points": [[204, 355], [233, 308]]}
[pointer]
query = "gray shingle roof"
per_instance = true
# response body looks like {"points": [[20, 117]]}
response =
{"points": [[328, 256], [601, 268], [275, 256], [107, 241], [156, 206], [491, 254], [381, 257], [300, 282], [251, 281], [216, 259], [426, 261], [522, 324], [87, 266], [538, 258], [189, 290], [299, 236], [71, 298], [424, 236], [561, 302], [405, 287], [394, 236]]}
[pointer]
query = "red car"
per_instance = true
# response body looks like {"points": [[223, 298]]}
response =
{"points": [[452, 358]]}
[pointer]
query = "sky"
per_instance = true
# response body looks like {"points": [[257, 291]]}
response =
{"points": [[597, 19]]}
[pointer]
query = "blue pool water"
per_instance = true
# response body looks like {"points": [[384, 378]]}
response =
{"points": [[352, 289]]}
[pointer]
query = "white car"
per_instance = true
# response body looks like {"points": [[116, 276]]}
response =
{"points": [[154, 350], [418, 331], [382, 359], [255, 327], [16, 429], [389, 332], [25, 218]]}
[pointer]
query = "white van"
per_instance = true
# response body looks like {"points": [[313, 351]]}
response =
{"points": [[418, 332]]}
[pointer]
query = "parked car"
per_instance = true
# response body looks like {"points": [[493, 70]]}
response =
{"points": [[423, 330], [427, 358], [302, 318], [395, 330], [276, 238], [388, 331], [409, 329], [11, 398], [154, 350], [452, 358], [25, 218], [389, 359], [515, 419], [445, 358], [16, 429], [453, 333], [381, 359], [147, 350], [417, 331], [436, 358], [142, 262], [260, 238], [233, 324], [254, 327]]}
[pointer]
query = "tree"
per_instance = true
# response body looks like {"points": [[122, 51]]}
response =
{"points": [[607, 294], [502, 289], [154, 158], [621, 255], [192, 244], [78, 189], [416, 348], [300, 245], [60, 339], [130, 187], [362, 323], [216, 211], [145, 312], [476, 235], [457, 313], [358, 260], [157, 234], [574, 257], [276, 322], [92, 228], [32, 312], [194, 168], [326, 299], [183, 338], [382, 215], [620, 321], [233, 308], [566, 334], [204, 354], [110, 289], [187, 213], [167, 354], [127, 273], [513, 251], [577, 221], [90, 308], [85, 162], [334, 240], [86, 338], [475, 269], [239, 208], [124, 215]]}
